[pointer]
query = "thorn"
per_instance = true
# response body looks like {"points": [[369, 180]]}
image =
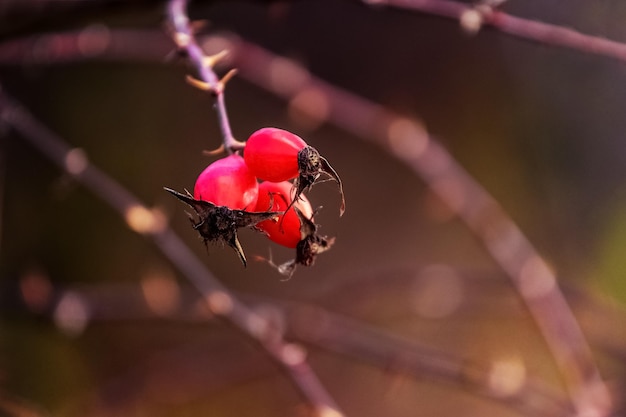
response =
{"points": [[194, 82], [211, 61], [198, 25], [235, 145], [173, 55], [214, 152], [230, 74]]}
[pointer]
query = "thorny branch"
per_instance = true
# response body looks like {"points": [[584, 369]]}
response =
{"points": [[183, 36], [152, 224]]}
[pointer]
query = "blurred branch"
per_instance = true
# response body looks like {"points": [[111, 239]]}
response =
{"points": [[475, 15], [356, 340], [152, 224], [93, 42], [327, 331]]}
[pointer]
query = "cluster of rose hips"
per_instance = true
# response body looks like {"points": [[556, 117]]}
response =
{"points": [[228, 196]]}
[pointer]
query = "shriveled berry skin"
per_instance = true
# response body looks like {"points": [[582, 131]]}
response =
{"points": [[272, 154], [228, 182], [287, 230]]}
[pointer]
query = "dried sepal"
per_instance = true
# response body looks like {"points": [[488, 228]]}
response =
{"points": [[311, 165], [219, 224], [310, 245], [215, 89]]}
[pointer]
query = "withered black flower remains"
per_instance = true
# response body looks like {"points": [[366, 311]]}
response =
{"points": [[310, 245], [219, 224]]}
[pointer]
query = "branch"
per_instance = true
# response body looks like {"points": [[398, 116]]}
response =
{"points": [[94, 42], [328, 331], [152, 224], [359, 341], [183, 36], [472, 17]]}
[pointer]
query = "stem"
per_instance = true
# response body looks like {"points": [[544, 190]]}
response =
{"points": [[532, 30], [185, 40]]}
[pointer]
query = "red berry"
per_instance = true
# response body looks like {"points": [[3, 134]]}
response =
{"points": [[286, 231], [277, 155], [228, 182], [272, 154]]}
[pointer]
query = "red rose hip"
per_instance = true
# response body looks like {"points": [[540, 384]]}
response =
{"points": [[286, 231], [228, 182], [277, 155], [272, 154]]}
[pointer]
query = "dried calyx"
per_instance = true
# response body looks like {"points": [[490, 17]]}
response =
{"points": [[219, 224], [311, 165], [311, 244]]}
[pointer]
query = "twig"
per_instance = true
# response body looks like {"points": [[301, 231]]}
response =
{"points": [[359, 341], [100, 42], [94, 42], [409, 141], [472, 17], [183, 36], [152, 224]]}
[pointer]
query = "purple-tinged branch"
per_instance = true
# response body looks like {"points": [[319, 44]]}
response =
{"points": [[183, 36], [532, 30]]}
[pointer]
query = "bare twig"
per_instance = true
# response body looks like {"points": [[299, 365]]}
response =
{"points": [[183, 36], [94, 42], [472, 17], [152, 224], [359, 341]]}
